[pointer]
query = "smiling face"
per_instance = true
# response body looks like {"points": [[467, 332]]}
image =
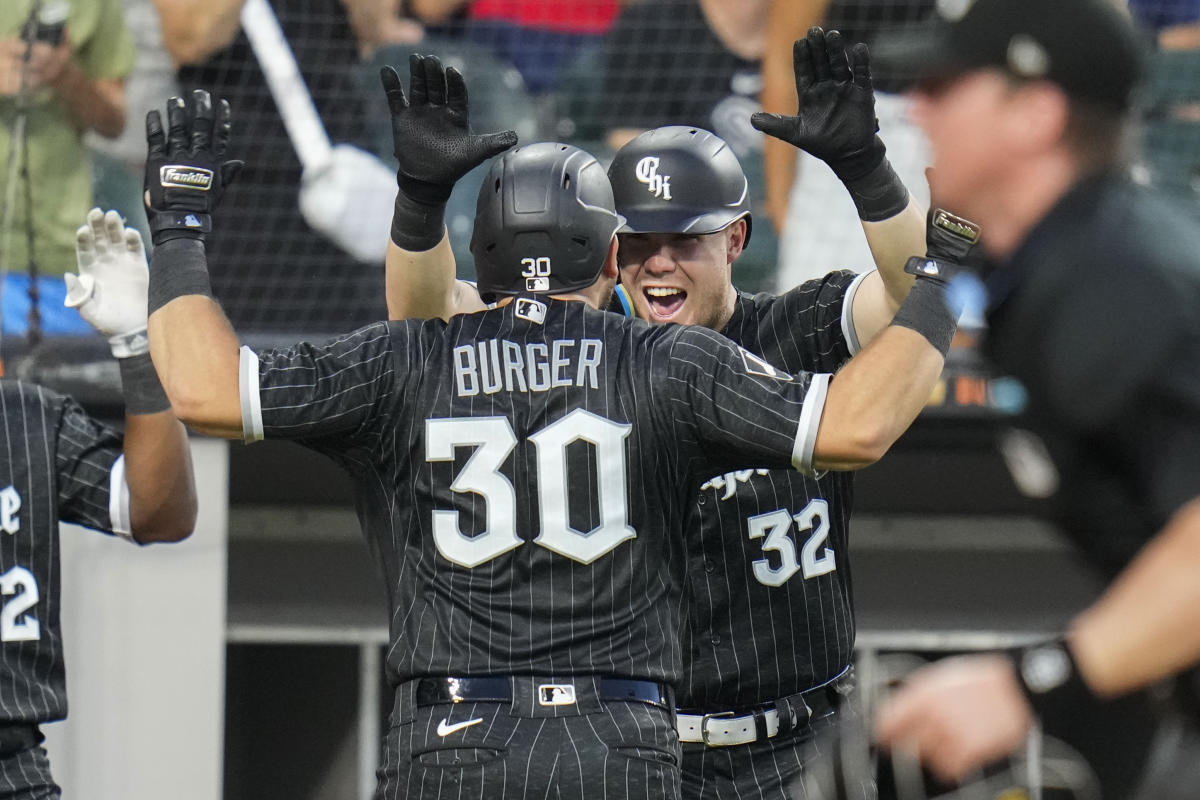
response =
{"points": [[682, 278]]}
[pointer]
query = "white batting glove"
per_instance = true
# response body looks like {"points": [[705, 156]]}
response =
{"points": [[110, 289]]}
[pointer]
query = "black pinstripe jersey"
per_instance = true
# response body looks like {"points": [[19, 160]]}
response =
{"points": [[523, 474], [59, 464], [772, 609]]}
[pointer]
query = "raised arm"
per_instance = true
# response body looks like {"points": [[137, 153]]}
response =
{"points": [[195, 350], [879, 392], [435, 147], [836, 123], [110, 293]]}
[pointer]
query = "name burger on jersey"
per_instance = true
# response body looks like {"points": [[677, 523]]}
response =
{"points": [[494, 364]]}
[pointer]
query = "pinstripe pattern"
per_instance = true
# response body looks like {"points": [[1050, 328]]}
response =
{"points": [[687, 403], [26, 776], [57, 466], [586, 750], [751, 643]]}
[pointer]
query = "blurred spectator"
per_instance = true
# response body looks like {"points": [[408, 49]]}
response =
{"points": [[683, 62], [270, 270], [117, 163], [540, 38], [817, 226], [1171, 134], [72, 82]]}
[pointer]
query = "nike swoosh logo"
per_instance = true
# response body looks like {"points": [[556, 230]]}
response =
{"points": [[445, 730]]}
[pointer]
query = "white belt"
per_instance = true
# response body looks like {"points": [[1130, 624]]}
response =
{"points": [[724, 729]]}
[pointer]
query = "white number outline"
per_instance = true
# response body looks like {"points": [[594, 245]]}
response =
{"points": [[535, 267], [494, 440], [13, 629], [773, 528]]}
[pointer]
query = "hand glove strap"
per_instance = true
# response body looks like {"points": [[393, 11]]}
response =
{"points": [[418, 222], [877, 192], [133, 343], [948, 236], [168, 225]]}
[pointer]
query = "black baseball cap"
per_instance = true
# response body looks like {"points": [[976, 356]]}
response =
{"points": [[1088, 47]]}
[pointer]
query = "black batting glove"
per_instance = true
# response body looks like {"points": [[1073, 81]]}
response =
{"points": [[949, 242], [836, 122], [186, 170], [836, 118], [434, 146]]}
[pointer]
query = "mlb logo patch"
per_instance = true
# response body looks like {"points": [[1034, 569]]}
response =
{"points": [[531, 310], [756, 366], [556, 694], [537, 284]]}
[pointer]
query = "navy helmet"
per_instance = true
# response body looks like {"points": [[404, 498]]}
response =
{"points": [[544, 222], [679, 179]]}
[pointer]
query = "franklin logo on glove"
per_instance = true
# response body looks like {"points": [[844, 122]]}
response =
{"points": [[185, 177]]}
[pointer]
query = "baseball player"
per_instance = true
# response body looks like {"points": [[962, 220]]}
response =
{"points": [[62, 465], [772, 626], [522, 473], [1093, 294]]}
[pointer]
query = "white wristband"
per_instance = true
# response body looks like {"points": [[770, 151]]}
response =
{"points": [[134, 343]]}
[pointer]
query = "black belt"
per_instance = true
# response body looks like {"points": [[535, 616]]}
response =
{"points": [[17, 737], [550, 691], [726, 728]]}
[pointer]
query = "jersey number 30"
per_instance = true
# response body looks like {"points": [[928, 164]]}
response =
{"points": [[493, 439]]}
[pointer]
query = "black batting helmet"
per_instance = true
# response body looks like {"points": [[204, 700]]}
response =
{"points": [[543, 223], [679, 179]]}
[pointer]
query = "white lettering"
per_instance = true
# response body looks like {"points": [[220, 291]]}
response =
{"points": [[537, 357], [464, 371], [10, 504], [493, 365], [589, 362], [489, 366], [514, 367], [561, 362]]}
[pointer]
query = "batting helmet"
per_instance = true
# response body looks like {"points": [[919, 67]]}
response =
{"points": [[678, 179], [543, 223]]}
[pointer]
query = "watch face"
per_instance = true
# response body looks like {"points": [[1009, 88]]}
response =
{"points": [[1045, 668]]}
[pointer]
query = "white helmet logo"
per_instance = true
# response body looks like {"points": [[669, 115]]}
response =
{"points": [[647, 173]]}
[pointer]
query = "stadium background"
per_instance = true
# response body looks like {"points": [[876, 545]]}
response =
{"points": [[257, 648]]}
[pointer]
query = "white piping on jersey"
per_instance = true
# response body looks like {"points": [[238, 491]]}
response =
{"points": [[252, 423], [810, 421], [848, 330], [118, 501]]}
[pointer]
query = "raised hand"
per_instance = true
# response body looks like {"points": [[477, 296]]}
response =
{"points": [[431, 130], [186, 170], [836, 116], [110, 289]]}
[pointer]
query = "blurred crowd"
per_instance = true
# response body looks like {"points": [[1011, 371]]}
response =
{"points": [[77, 77]]}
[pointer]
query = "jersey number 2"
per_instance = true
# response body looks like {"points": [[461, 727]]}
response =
{"points": [[776, 526], [493, 439], [15, 626]]}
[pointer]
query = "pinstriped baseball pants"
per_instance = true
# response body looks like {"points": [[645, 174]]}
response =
{"points": [[519, 751]]}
